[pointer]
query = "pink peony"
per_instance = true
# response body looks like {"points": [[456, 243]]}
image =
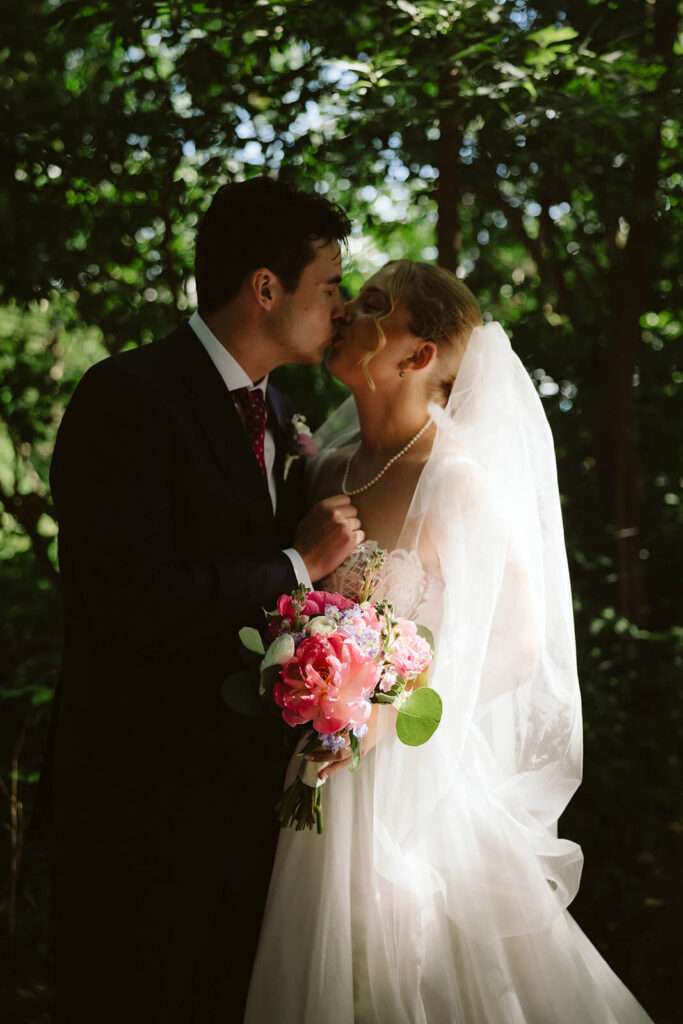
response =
{"points": [[273, 630], [327, 683], [369, 617], [410, 654], [314, 604]]}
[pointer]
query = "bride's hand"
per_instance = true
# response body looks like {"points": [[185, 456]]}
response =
{"points": [[328, 534], [333, 762]]}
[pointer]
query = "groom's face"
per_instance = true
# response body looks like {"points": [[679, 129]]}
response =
{"points": [[305, 320]]}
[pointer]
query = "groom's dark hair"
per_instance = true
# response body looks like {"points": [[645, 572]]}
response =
{"points": [[260, 223]]}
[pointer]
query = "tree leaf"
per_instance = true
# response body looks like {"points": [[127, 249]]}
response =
{"points": [[251, 638], [419, 717], [551, 36], [42, 695], [469, 51]]}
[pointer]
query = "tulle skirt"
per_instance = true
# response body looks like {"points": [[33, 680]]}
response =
{"points": [[345, 941]]}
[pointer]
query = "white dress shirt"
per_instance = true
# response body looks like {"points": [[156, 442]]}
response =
{"points": [[235, 377]]}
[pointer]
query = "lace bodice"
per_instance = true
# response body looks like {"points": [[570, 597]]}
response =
{"points": [[403, 579]]}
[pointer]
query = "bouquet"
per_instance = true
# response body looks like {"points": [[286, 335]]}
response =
{"points": [[325, 660]]}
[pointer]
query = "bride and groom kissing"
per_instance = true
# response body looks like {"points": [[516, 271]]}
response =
{"points": [[182, 515], [176, 525]]}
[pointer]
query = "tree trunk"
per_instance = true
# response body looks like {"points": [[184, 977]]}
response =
{"points": [[449, 192], [624, 470], [631, 291]]}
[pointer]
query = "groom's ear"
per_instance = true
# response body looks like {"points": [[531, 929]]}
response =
{"points": [[264, 287]]}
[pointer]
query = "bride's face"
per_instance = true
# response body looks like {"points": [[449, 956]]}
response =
{"points": [[359, 335]]}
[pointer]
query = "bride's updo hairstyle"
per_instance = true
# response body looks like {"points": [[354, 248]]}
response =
{"points": [[442, 310]]}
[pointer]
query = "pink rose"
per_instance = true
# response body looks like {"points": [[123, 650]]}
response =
{"points": [[410, 654], [328, 683], [314, 604], [306, 445], [303, 438]]}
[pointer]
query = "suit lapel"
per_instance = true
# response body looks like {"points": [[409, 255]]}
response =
{"points": [[219, 418], [277, 423], [291, 493]]}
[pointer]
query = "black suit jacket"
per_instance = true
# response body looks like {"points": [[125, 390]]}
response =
{"points": [[168, 544]]}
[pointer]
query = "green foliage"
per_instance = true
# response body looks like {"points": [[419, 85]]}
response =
{"points": [[418, 716], [356, 747], [280, 651], [427, 635], [240, 693], [251, 638]]}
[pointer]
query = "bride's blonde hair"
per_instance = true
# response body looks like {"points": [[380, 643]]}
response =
{"points": [[442, 309]]}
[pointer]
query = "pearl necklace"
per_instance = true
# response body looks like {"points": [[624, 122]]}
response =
{"points": [[381, 473]]}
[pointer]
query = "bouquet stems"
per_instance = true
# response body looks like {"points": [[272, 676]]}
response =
{"points": [[301, 806]]}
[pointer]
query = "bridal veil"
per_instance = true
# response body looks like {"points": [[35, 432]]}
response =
{"points": [[438, 891]]}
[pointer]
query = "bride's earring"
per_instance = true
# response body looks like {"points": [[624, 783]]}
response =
{"points": [[401, 373]]}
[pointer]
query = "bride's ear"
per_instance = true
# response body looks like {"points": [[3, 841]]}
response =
{"points": [[423, 356]]}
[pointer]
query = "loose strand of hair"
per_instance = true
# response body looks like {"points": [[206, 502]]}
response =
{"points": [[381, 341]]}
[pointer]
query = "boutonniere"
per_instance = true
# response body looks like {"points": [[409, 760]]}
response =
{"points": [[299, 441]]}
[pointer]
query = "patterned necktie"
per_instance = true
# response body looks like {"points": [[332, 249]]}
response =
{"points": [[253, 406]]}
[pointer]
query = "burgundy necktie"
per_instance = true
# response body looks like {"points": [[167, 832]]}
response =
{"points": [[253, 406]]}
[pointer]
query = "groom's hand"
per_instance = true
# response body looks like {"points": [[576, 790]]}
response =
{"points": [[329, 533]]}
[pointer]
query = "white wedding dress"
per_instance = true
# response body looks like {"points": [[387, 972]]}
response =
{"points": [[437, 893]]}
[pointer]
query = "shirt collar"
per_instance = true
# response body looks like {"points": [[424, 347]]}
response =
{"points": [[230, 370]]}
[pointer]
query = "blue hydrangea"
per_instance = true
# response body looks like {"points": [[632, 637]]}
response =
{"points": [[349, 616], [370, 641], [359, 731], [365, 637], [334, 743]]}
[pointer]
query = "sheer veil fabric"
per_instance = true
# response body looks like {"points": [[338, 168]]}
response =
{"points": [[438, 891]]}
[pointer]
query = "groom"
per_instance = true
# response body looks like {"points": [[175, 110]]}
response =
{"points": [[177, 526]]}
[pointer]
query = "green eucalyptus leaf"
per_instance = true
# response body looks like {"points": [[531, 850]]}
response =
{"points": [[418, 717], [426, 634], [251, 638], [356, 746], [269, 677], [279, 652], [240, 693]]}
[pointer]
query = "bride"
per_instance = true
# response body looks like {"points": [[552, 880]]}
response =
{"points": [[438, 891]]}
